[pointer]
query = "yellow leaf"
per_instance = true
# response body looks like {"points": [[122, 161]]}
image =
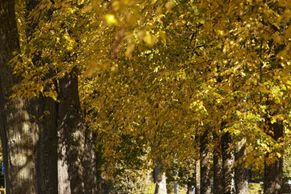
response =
{"points": [[111, 20], [148, 39], [130, 48], [163, 36], [170, 4], [116, 5]]}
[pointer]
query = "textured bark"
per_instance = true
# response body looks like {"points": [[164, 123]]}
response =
{"points": [[77, 161], [273, 177], [205, 167], [197, 177], [89, 158], [228, 160], [70, 138], [217, 172], [47, 148], [160, 181], [18, 128], [45, 110], [241, 173], [273, 173]]}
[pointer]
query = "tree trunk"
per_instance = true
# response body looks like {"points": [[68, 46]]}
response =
{"points": [[217, 172], [191, 184], [190, 189], [45, 110], [18, 128], [173, 187], [47, 148], [70, 138], [205, 161], [273, 173], [160, 181], [241, 173], [176, 187], [197, 177], [227, 164], [89, 162], [76, 144]]}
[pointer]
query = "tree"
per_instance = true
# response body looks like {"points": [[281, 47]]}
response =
{"points": [[148, 76], [47, 114], [19, 131], [205, 163]]}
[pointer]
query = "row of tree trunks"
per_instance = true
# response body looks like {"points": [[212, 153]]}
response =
{"points": [[227, 178], [229, 175]]}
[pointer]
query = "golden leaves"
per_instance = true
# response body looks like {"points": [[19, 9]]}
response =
{"points": [[111, 19]]}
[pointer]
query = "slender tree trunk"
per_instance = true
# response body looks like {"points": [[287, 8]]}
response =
{"points": [[197, 177], [18, 128], [192, 182], [160, 181], [205, 161], [273, 173], [241, 173], [176, 187], [173, 187], [228, 160], [190, 189], [217, 172], [172, 184], [273, 177]]}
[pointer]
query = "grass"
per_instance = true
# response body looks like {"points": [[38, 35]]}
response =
{"points": [[254, 188]]}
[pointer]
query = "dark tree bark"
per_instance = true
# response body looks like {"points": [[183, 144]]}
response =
{"points": [[76, 165], [69, 137], [18, 127], [45, 110], [205, 161], [197, 177], [89, 158], [47, 148], [273, 173], [191, 183], [241, 173], [228, 160], [193, 186], [29, 136], [217, 171]]}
